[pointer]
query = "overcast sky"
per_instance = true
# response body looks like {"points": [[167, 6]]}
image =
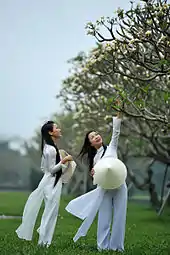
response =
{"points": [[37, 37]]}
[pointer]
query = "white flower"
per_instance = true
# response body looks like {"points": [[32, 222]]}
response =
{"points": [[113, 44], [95, 52], [107, 46], [131, 48], [161, 55], [133, 40], [162, 39], [148, 33], [149, 22], [75, 125], [92, 61], [76, 116], [165, 6], [85, 69], [128, 72], [100, 58], [107, 117]]}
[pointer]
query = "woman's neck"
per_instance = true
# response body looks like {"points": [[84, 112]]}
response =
{"points": [[98, 146], [54, 140]]}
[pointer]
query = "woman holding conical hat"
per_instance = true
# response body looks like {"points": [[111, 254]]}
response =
{"points": [[109, 199], [58, 168]]}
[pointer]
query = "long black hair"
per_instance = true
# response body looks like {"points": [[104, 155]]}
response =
{"points": [[89, 150], [46, 138]]}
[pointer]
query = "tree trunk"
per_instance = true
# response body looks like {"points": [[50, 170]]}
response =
{"points": [[153, 194], [168, 202], [163, 184]]}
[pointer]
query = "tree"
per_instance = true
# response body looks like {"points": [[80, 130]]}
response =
{"points": [[139, 50], [92, 95], [14, 167], [137, 46]]}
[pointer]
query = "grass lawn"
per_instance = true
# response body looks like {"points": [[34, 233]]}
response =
{"points": [[145, 232]]}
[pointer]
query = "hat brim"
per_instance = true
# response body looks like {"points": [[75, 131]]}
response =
{"points": [[70, 167], [110, 173]]}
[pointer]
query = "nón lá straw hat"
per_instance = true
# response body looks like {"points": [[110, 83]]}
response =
{"points": [[70, 167], [109, 173]]}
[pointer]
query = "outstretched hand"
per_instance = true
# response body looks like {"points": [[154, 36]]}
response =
{"points": [[118, 103]]}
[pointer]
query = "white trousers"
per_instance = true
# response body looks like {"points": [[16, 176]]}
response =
{"points": [[113, 201], [49, 217], [51, 196]]}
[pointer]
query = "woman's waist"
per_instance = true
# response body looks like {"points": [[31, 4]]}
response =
{"points": [[47, 177], [48, 173]]}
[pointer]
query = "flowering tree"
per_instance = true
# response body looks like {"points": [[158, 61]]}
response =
{"points": [[131, 61], [91, 99], [136, 46], [91, 96]]}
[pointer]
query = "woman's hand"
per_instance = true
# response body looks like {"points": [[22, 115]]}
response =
{"points": [[92, 172], [119, 104], [66, 159]]}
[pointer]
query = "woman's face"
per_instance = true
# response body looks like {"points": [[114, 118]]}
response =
{"points": [[56, 133], [95, 139]]}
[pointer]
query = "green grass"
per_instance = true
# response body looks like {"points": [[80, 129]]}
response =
{"points": [[12, 202], [145, 232], [140, 197]]}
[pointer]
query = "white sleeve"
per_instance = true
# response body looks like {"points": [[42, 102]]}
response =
{"points": [[42, 164], [115, 133], [51, 161]]}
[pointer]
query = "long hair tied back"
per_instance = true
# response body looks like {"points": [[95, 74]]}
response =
{"points": [[88, 150], [46, 138]]}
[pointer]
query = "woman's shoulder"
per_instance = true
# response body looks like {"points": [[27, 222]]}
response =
{"points": [[49, 149]]}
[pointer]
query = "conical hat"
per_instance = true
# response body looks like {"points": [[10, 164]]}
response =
{"points": [[110, 173], [70, 167]]}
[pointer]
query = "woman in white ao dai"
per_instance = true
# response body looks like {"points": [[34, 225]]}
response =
{"points": [[108, 203], [49, 189]]}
